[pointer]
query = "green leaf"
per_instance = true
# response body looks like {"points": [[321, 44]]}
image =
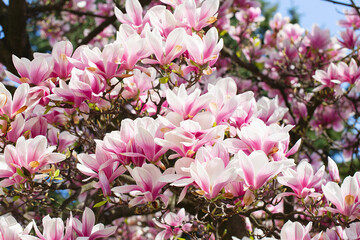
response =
{"points": [[15, 198], [20, 172], [164, 80], [57, 173], [48, 108], [99, 204]]}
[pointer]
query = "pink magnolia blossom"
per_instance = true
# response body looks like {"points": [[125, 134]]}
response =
{"points": [[353, 232], [138, 85], [13, 105], [352, 20], [148, 186], [33, 72], [85, 84], [134, 16], [292, 32], [101, 166], [224, 101], [135, 49], [245, 112], [273, 140], [278, 21], [318, 38], [303, 181], [135, 142], [349, 73], [250, 15], [327, 117], [184, 104], [189, 137], [105, 63], [296, 231], [349, 39], [32, 155], [344, 198], [87, 230], [53, 229], [197, 17], [63, 140], [145, 131], [333, 170], [66, 94], [167, 51], [174, 224], [329, 78], [10, 229], [204, 50], [269, 110], [256, 169], [212, 176], [183, 176], [335, 234], [162, 19], [173, 3], [119, 142], [60, 53]]}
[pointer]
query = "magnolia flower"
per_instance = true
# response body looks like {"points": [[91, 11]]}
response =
{"points": [[174, 224], [353, 232], [349, 39], [60, 53], [87, 230], [344, 198], [102, 166], [29, 157], [14, 105], [148, 186], [186, 105], [198, 17], [269, 110], [189, 137], [278, 21], [318, 38], [336, 234], [349, 73], [296, 231], [330, 78], [273, 140], [135, 141], [105, 63], [333, 170], [10, 229], [166, 51], [134, 16], [162, 19], [32, 72], [304, 182], [256, 169], [53, 229], [87, 85], [204, 50], [224, 101], [212, 176]]}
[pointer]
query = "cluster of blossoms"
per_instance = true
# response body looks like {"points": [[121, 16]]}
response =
{"points": [[157, 122]]}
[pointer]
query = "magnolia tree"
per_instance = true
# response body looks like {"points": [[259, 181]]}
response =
{"points": [[179, 119]]}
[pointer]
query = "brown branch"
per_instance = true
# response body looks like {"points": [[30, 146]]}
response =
{"points": [[97, 30], [47, 8], [16, 39], [343, 4]]}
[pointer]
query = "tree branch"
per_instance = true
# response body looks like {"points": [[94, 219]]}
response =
{"points": [[97, 30], [343, 4]]}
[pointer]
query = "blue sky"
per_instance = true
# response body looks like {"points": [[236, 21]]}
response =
{"points": [[325, 14]]}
